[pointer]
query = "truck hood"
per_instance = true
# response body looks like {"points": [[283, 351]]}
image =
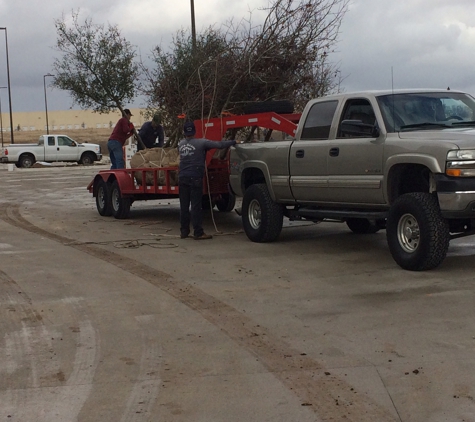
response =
{"points": [[87, 144], [461, 137]]}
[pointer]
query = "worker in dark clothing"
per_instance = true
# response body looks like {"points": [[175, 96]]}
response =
{"points": [[190, 179], [123, 130], [150, 131]]}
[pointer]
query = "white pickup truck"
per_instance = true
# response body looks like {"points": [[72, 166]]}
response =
{"points": [[51, 148]]}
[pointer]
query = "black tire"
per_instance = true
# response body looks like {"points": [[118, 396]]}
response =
{"points": [[120, 206], [417, 234], [206, 204], [362, 225], [26, 161], [262, 218], [87, 159], [226, 202], [280, 106], [103, 198]]}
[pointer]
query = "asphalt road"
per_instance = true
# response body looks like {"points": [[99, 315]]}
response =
{"points": [[120, 320]]}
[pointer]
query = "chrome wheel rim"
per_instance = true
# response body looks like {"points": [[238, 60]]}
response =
{"points": [[254, 214], [408, 233], [115, 199], [101, 198]]}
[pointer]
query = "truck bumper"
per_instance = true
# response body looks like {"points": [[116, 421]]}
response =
{"points": [[456, 196], [457, 204], [3, 159]]}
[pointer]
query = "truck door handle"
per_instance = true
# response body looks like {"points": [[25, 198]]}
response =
{"points": [[334, 152], [300, 153]]}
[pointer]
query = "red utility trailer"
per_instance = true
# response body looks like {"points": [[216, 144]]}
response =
{"points": [[116, 190]]}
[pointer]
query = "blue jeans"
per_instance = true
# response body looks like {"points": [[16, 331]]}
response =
{"points": [[191, 193], [116, 154]]}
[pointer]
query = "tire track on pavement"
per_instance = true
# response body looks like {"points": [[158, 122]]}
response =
{"points": [[330, 397], [45, 393]]}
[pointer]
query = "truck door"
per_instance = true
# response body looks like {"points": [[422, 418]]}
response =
{"points": [[50, 148], [355, 156], [67, 149], [308, 154]]}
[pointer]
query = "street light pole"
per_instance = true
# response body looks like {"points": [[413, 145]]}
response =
{"points": [[193, 29], [1, 121], [46, 103], [9, 90]]}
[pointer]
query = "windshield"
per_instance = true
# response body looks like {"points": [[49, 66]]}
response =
{"points": [[428, 110]]}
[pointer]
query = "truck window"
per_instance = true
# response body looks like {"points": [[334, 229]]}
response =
{"points": [[51, 140], [357, 109], [64, 141], [319, 120]]}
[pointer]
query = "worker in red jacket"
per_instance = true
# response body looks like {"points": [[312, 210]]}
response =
{"points": [[123, 130]]}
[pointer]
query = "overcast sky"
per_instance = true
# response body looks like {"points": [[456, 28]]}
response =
{"points": [[408, 43]]}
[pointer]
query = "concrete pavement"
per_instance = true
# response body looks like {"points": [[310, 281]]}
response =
{"points": [[120, 320]]}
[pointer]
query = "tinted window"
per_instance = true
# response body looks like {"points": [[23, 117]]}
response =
{"points": [[359, 110], [319, 120], [50, 140]]}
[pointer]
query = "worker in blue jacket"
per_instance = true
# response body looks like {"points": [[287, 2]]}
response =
{"points": [[190, 179]]}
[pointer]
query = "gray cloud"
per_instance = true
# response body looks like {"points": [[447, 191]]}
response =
{"points": [[424, 43]]}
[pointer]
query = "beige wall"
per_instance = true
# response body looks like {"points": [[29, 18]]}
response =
{"points": [[69, 119]]}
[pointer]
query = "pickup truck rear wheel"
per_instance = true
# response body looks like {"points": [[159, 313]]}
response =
{"points": [[418, 236], [362, 225], [120, 206], [26, 161], [87, 159], [262, 218], [103, 198]]}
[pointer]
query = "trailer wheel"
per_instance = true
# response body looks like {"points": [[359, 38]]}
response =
{"points": [[362, 225], [226, 202], [120, 206], [26, 161], [262, 218], [103, 198], [418, 236], [206, 203]]}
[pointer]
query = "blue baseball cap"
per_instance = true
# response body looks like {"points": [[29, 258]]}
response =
{"points": [[189, 129]]}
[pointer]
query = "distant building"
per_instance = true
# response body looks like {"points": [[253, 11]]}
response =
{"points": [[69, 119]]}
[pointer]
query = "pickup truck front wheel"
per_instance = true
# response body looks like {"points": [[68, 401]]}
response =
{"points": [[87, 159], [262, 218], [120, 205], [418, 236]]}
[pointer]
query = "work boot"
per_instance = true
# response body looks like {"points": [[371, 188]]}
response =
{"points": [[204, 236]]}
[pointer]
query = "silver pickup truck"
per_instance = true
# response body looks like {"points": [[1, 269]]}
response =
{"points": [[51, 148], [400, 160]]}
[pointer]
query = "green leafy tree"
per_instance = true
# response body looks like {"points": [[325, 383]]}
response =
{"points": [[97, 65]]}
